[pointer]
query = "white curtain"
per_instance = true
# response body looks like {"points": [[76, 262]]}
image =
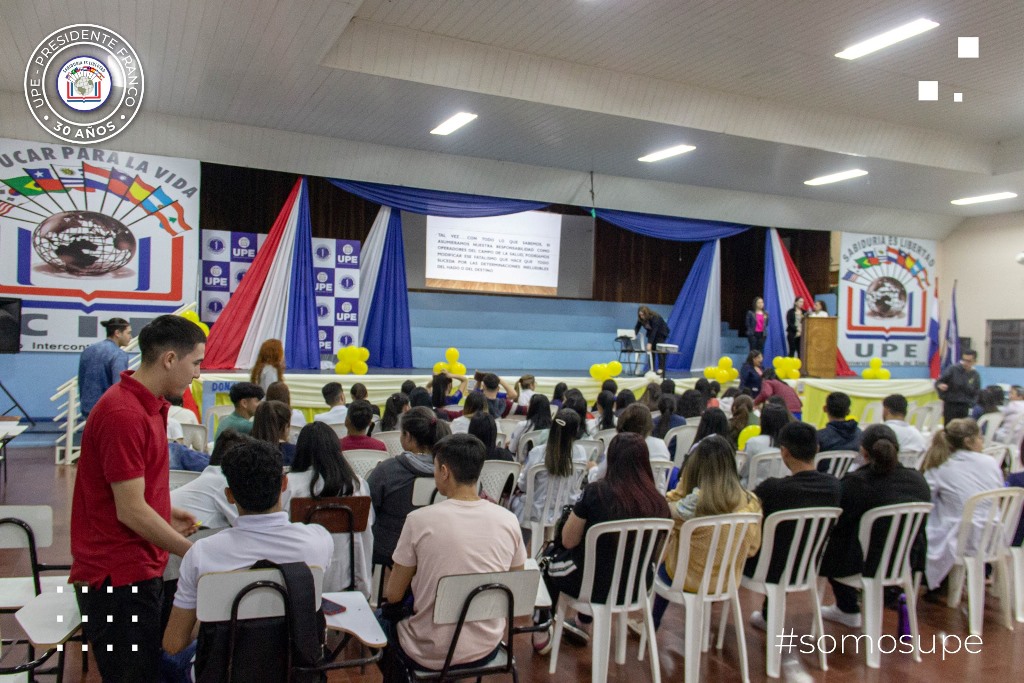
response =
{"points": [[369, 266], [709, 337]]}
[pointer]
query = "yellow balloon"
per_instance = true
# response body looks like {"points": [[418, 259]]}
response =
{"points": [[797, 364], [794, 374], [777, 362], [725, 362], [439, 367], [458, 369], [359, 367], [709, 372], [595, 371], [364, 354], [204, 327], [748, 432], [733, 374], [615, 368], [190, 315], [452, 355], [883, 373], [875, 363], [342, 368], [869, 373], [722, 375]]}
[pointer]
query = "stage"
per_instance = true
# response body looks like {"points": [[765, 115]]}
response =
{"points": [[213, 387]]}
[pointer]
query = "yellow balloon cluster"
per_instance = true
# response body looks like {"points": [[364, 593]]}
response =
{"points": [[786, 367], [603, 371], [192, 316], [875, 370], [723, 372], [450, 363], [748, 433], [352, 359]]}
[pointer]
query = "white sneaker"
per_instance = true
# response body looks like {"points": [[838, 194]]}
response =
{"points": [[757, 620], [635, 626], [833, 613]]}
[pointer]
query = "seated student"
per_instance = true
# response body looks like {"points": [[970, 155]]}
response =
{"points": [[272, 423], [451, 398], [483, 427], [526, 387], [727, 399], [605, 411], [488, 540], [396, 406], [179, 412], [894, 414], [610, 386], [420, 398], [334, 397], [558, 393], [536, 424], [955, 468], [558, 455], [667, 419], [635, 419], [245, 396], [1010, 428], [806, 487], [278, 391], [321, 471], [712, 423], [357, 421], [391, 481], [668, 387], [651, 396], [990, 400], [474, 404], [691, 404], [204, 496], [882, 481], [840, 433], [771, 386], [710, 397], [743, 416], [497, 405], [575, 402], [358, 392], [439, 387], [181, 457], [407, 387], [253, 471], [623, 400]]}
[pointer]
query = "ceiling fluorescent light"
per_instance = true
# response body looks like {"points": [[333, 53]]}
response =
{"points": [[836, 177], [666, 153], [984, 198], [886, 39], [454, 123]]}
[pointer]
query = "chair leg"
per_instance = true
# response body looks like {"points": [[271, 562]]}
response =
{"points": [[536, 538], [557, 635], [620, 637], [975, 595], [741, 636], [910, 593], [873, 593], [817, 625], [644, 631], [955, 585], [601, 636], [694, 634], [1017, 558], [705, 635], [723, 620], [1002, 581], [776, 622], [649, 629]]}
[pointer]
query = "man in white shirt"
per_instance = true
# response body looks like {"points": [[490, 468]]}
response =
{"points": [[1011, 428], [205, 496], [334, 397], [894, 413], [253, 470]]}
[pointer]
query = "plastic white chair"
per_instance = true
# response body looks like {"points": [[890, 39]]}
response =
{"points": [[593, 447], [838, 462], [872, 413], [1000, 453], [810, 530], [1017, 556], [917, 416], [28, 527], [424, 492], [215, 413], [195, 436], [662, 470], [392, 440], [605, 436], [988, 424], [339, 428], [934, 416], [179, 478], [741, 460], [911, 459], [640, 544], [683, 436], [765, 465], [363, 460], [988, 543], [526, 445], [506, 425], [893, 569], [728, 541], [495, 476], [560, 491]]}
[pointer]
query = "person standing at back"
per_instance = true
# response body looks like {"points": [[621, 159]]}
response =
{"points": [[959, 386], [657, 333], [122, 522], [101, 364], [269, 366], [757, 325]]}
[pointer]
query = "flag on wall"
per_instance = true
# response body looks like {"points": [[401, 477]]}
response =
{"points": [[934, 362], [275, 299], [951, 354]]}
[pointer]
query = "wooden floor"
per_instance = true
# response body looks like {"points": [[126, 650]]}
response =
{"points": [[35, 480]]}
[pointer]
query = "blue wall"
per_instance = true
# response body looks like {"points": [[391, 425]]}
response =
{"points": [[33, 378]]}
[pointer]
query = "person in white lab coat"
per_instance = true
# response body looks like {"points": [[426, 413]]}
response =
{"points": [[955, 469], [1010, 429]]}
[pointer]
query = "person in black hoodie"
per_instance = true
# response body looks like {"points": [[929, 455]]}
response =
{"points": [[391, 482], [959, 386], [840, 434]]}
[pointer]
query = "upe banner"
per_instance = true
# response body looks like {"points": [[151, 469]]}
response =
{"points": [[886, 287], [88, 234]]}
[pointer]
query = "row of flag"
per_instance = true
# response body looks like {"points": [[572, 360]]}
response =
{"points": [[899, 257], [86, 178]]}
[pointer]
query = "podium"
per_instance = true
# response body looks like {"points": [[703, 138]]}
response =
{"points": [[818, 342]]}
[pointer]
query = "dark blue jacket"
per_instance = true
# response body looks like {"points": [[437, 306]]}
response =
{"points": [[750, 379]]}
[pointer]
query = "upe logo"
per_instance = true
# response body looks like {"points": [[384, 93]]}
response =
{"points": [[345, 340], [215, 306], [216, 245], [322, 335], [321, 277], [243, 242], [322, 312], [84, 83], [347, 250], [346, 307], [347, 283], [216, 271], [323, 253], [239, 275]]}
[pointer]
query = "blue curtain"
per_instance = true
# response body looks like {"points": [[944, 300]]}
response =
{"points": [[436, 202], [301, 350], [387, 325], [684, 321], [775, 334], [669, 227]]}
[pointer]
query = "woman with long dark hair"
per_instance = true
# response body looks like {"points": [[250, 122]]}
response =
{"points": [[669, 418], [441, 396], [320, 470], [272, 423], [657, 333], [483, 427], [794, 321], [575, 402], [605, 410], [558, 455], [712, 423], [536, 424], [627, 491], [475, 403], [750, 373], [558, 394], [396, 405], [757, 324], [625, 399], [269, 366]]}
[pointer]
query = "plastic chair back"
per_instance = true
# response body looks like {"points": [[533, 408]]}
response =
{"points": [[765, 465], [838, 462], [363, 460], [905, 520], [640, 544], [811, 528], [495, 476]]}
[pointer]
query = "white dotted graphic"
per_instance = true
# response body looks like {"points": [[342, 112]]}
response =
{"points": [[60, 618], [135, 618], [967, 47], [958, 97], [928, 91]]}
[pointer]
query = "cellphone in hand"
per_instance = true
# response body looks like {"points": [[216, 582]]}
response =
{"points": [[330, 607]]}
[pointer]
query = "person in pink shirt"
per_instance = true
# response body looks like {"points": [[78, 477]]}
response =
{"points": [[771, 385], [357, 421], [757, 325]]}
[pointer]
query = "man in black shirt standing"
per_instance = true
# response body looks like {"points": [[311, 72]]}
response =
{"points": [[959, 386]]}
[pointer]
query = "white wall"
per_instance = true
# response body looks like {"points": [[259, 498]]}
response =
{"points": [[979, 255]]}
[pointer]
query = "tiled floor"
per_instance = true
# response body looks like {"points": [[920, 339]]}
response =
{"points": [[35, 480]]}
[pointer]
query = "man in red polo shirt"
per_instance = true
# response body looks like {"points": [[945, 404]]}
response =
{"points": [[122, 523]]}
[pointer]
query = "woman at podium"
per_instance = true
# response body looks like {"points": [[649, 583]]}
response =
{"points": [[657, 333]]}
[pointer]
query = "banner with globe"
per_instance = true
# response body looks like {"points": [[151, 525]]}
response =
{"points": [[886, 287], [89, 233], [228, 255]]}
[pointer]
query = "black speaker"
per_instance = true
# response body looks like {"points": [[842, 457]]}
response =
{"points": [[10, 325]]}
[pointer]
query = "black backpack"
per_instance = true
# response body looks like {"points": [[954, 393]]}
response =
{"points": [[261, 650]]}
